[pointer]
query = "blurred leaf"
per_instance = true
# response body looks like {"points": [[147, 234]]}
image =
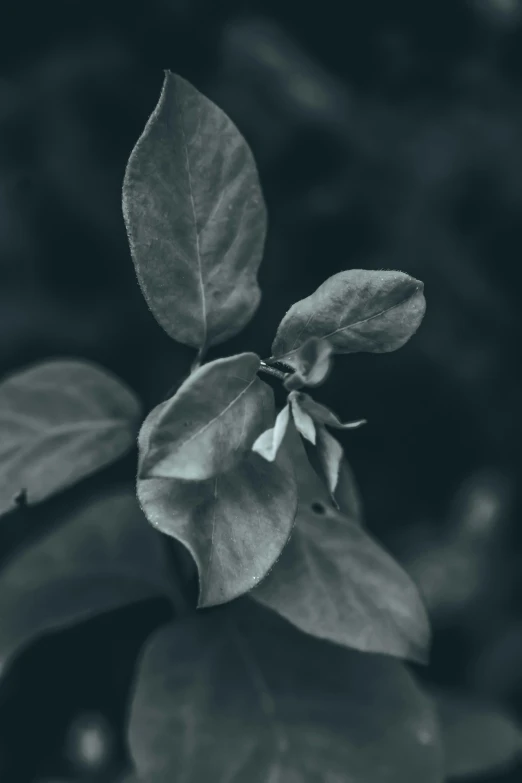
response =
{"points": [[207, 427], [102, 557], [334, 581], [268, 443], [234, 525], [478, 739], [355, 310], [195, 218], [312, 364], [59, 422], [239, 695]]}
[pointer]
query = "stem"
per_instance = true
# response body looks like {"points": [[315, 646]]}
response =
{"points": [[264, 367], [199, 358]]}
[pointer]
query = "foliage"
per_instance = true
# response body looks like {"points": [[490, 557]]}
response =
{"points": [[303, 671]]}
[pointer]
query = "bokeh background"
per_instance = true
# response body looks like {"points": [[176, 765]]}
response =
{"points": [[387, 135]]}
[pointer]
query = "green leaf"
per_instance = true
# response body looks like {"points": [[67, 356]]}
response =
{"points": [[330, 454], [478, 739], [101, 557], [303, 421], [312, 362], [211, 422], [60, 421], [239, 696], [335, 582], [234, 525], [356, 310], [268, 443], [195, 218], [323, 415]]}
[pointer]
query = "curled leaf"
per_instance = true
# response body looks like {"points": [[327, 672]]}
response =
{"points": [[355, 310], [208, 426], [195, 218], [268, 443], [330, 454], [323, 415], [303, 421], [312, 363], [60, 421]]}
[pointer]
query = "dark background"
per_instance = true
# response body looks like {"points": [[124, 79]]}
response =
{"points": [[387, 135]]}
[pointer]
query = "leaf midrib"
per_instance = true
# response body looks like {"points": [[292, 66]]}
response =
{"points": [[352, 325]]}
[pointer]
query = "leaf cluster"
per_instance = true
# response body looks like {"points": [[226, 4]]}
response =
{"points": [[299, 678]]}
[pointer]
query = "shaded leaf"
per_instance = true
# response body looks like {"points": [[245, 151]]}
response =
{"points": [[323, 415], [355, 310], [303, 421], [347, 495], [195, 218], [207, 427], [239, 696], [335, 582], [60, 421], [330, 454], [312, 362], [478, 739], [100, 558], [234, 525], [268, 443]]}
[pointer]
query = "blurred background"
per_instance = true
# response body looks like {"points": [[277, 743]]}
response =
{"points": [[387, 135]]}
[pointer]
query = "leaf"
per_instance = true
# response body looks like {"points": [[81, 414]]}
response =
{"points": [[312, 361], [355, 310], [478, 739], [239, 696], [302, 419], [335, 582], [330, 454], [323, 415], [234, 525], [268, 443], [195, 218], [100, 558], [60, 421], [347, 495], [208, 426]]}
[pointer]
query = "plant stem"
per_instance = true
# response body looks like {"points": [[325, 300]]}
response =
{"points": [[264, 367], [199, 358]]}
